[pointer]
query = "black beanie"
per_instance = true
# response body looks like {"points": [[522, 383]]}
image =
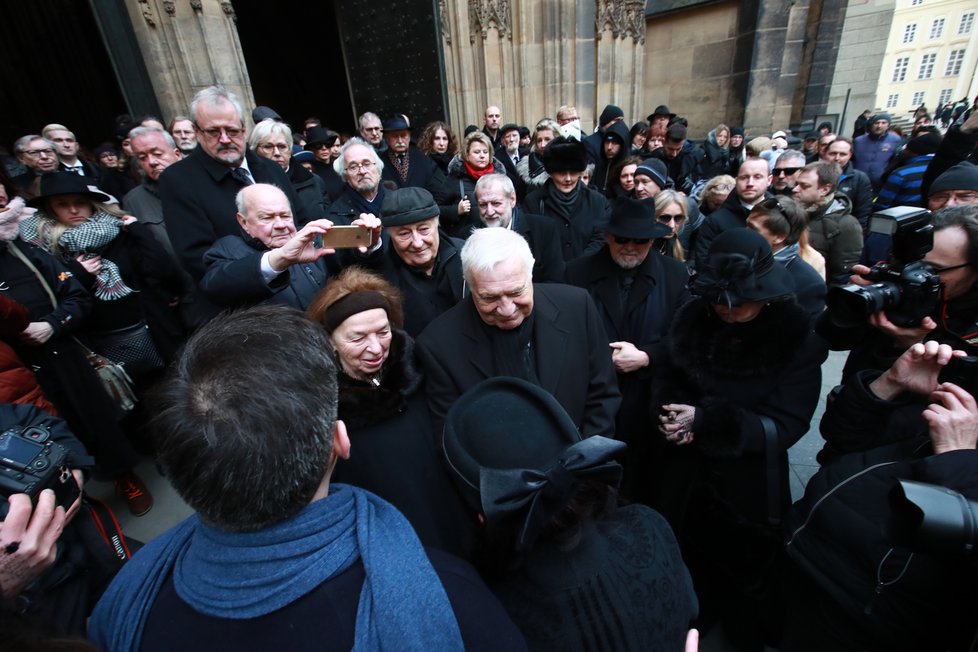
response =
{"points": [[963, 176], [610, 113]]}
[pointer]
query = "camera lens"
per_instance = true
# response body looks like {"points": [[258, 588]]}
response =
{"points": [[850, 305]]}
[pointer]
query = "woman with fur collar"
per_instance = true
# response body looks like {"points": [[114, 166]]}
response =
{"points": [[737, 390], [382, 402]]}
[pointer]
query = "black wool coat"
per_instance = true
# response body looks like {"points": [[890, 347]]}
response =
{"points": [[583, 232]]}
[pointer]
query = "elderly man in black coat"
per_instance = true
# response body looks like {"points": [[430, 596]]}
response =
{"points": [[274, 263], [548, 334], [637, 291]]}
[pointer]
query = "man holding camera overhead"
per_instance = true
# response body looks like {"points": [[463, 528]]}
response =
{"points": [[953, 317]]}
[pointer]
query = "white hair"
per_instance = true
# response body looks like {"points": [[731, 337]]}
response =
{"points": [[340, 167], [496, 180], [241, 199], [486, 248], [267, 127], [216, 95], [136, 132]]}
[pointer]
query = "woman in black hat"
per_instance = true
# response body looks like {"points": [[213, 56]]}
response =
{"points": [[574, 571], [382, 402], [119, 261], [738, 388]]}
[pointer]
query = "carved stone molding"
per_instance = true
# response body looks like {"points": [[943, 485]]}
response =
{"points": [[484, 14], [229, 10], [170, 7], [147, 12], [197, 5], [443, 15], [623, 17]]}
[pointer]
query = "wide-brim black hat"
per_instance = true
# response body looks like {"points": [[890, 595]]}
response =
{"points": [[740, 268], [635, 218], [663, 110], [58, 183], [407, 206], [318, 134], [562, 154], [506, 430]]}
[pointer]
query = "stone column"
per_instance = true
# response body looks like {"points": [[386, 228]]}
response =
{"points": [[188, 45], [531, 57]]}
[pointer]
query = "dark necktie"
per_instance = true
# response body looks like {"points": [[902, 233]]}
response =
{"points": [[77, 169], [242, 176]]}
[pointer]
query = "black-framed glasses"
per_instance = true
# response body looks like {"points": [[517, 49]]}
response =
{"points": [[784, 171], [639, 241]]}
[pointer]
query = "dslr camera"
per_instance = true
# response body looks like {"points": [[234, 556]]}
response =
{"points": [[31, 462], [905, 286]]}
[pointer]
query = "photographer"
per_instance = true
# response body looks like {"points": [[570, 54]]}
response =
{"points": [[876, 343], [30, 536], [854, 587]]}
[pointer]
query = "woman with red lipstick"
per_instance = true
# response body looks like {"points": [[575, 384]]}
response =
{"points": [[382, 402]]}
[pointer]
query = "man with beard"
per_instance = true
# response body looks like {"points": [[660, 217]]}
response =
{"points": [[360, 168], [496, 197], [407, 166], [637, 292], [752, 183], [182, 130], [198, 192]]}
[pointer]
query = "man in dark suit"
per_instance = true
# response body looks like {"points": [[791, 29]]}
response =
{"points": [[637, 291], [496, 197], [548, 334], [406, 166], [198, 192]]}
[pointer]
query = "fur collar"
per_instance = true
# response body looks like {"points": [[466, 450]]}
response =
{"points": [[706, 347], [361, 404]]}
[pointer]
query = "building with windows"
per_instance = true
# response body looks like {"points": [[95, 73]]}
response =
{"points": [[931, 55]]}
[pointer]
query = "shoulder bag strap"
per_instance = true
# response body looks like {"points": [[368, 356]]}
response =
{"points": [[772, 469]]}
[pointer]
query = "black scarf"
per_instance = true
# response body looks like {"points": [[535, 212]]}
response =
{"points": [[563, 204], [361, 204], [512, 350]]}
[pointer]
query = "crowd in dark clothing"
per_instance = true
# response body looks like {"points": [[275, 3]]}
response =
{"points": [[676, 326]]}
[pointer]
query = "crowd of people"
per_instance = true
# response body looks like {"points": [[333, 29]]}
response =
{"points": [[496, 389]]}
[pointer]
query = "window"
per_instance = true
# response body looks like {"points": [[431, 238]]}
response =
{"points": [[916, 3], [918, 98], [967, 20], [954, 61], [926, 70], [909, 32], [937, 28], [900, 69], [945, 95], [891, 100]]}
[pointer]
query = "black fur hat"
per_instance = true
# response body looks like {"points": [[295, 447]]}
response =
{"points": [[563, 154]]}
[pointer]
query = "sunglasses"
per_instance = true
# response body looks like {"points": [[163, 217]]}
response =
{"points": [[638, 241], [784, 171]]}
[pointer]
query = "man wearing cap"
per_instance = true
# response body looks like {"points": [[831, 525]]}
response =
{"points": [[592, 143], [872, 151], [681, 162], [752, 181], [833, 231], [810, 147], [659, 121], [853, 183], [902, 186], [496, 198], [548, 334], [420, 259], [198, 191], [651, 178], [637, 292], [580, 211], [509, 151]]}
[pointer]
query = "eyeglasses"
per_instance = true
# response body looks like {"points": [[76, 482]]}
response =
{"points": [[960, 197], [940, 270], [679, 217], [274, 147], [353, 168], [215, 132], [638, 241], [39, 152], [784, 171], [373, 128]]}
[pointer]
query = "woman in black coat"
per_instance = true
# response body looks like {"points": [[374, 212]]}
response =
{"points": [[382, 402], [474, 161], [736, 392], [120, 262]]}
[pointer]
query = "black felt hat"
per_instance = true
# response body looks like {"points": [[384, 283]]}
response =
{"points": [[318, 134], [67, 183], [509, 126], [514, 452], [740, 268], [663, 110], [635, 218], [396, 123], [407, 206]]}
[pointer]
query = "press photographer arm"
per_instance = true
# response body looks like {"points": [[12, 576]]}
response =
{"points": [[28, 540]]}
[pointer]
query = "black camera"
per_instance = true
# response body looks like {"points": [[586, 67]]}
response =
{"points": [[905, 286], [963, 372], [30, 463], [931, 518]]}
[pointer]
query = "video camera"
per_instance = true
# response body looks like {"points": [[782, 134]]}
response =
{"points": [[905, 286], [31, 462], [931, 518]]}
